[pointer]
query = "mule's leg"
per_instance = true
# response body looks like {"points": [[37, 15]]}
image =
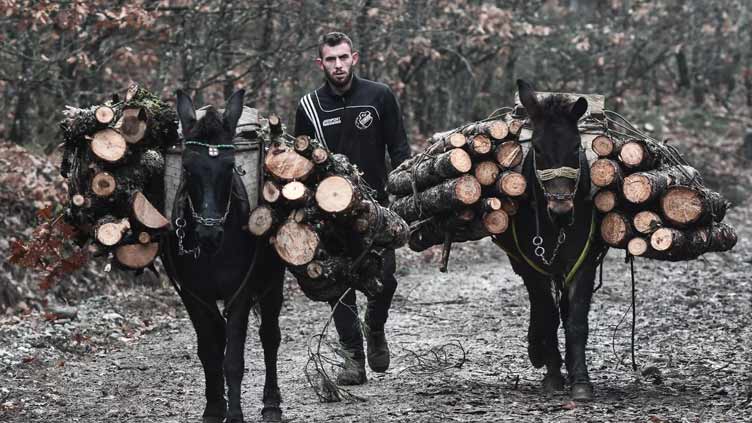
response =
{"points": [[210, 333], [270, 335], [579, 295], [234, 364], [543, 343]]}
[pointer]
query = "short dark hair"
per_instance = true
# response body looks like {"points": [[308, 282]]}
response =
{"points": [[334, 39]]}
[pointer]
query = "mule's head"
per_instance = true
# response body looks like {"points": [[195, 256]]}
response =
{"points": [[556, 145], [208, 165]]}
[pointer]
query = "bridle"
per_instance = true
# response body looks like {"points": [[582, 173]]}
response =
{"points": [[547, 175], [180, 222]]}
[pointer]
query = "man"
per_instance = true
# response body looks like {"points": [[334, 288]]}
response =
{"points": [[360, 119]]}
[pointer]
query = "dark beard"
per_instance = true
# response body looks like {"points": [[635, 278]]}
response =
{"points": [[337, 84]]}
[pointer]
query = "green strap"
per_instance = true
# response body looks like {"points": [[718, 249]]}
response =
{"points": [[577, 264]]}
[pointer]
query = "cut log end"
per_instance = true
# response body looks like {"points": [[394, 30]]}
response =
{"points": [[146, 213], [296, 243], [111, 233], [319, 155], [144, 238], [663, 239], [633, 154], [314, 270], [287, 165], [491, 204], [604, 172], [457, 140], [467, 190], [335, 194], [508, 154], [296, 192], [498, 129], [605, 201], [460, 160], [603, 146], [302, 143], [137, 256], [261, 220], [78, 200], [646, 221], [496, 222], [270, 192], [637, 188], [480, 145], [108, 145], [515, 126], [104, 114], [616, 229], [682, 205], [103, 184], [637, 246], [486, 172], [512, 184]]}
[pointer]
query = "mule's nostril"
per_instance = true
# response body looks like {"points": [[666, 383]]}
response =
{"points": [[560, 207]]}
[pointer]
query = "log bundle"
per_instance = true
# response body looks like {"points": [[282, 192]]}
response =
{"points": [[653, 204], [323, 220], [468, 185], [464, 187], [114, 161]]}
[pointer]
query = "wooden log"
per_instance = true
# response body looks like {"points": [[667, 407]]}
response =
{"points": [[306, 214], [605, 200], [496, 129], [296, 193], [270, 192], [429, 172], [146, 214], [303, 145], [646, 222], [136, 256], [496, 222], [486, 172], [261, 220], [479, 145], [511, 183], [683, 206], [286, 165], [605, 146], [605, 173], [104, 114], [78, 200], [109, 231], [447, 196], [103, 184], [616, 229], [643, 187], [383, 227], [144, 237], [133, 124], [686, 244], [509, 154], [638, 246], [635, 154], [319, 155], [490, 204], [108, 145], [296, 243], [337, 194], [515, 126], [509, 205], [275, 125]]}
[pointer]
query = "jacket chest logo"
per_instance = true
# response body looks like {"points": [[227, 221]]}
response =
{"points": [[364, 120], [331, 121]]}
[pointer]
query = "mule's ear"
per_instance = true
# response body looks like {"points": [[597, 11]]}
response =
{"points": [[186, 113], [233, 110], [527, 98], [578, 108]]}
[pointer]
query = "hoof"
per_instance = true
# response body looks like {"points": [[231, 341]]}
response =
{"points": [[582, 392], [212, 419], [271, 414], [535, 353], [553, 383]]}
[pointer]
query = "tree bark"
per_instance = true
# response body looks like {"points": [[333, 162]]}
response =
{"points": [[690, 243], [447, 196], [495, 129], [429, 172]]}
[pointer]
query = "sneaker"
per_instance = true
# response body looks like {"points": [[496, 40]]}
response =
{"points": [[378, 351]]}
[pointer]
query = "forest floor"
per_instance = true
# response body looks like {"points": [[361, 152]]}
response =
{"points": [[131, 357]]}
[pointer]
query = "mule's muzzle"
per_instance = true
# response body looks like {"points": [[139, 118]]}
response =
{"points": [[209, 238], [560, 204]]}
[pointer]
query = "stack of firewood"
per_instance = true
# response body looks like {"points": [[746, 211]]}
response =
{"points": [[323, 220], [114, 161], [654, 204], [464, 187]]}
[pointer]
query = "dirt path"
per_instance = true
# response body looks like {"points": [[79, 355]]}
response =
{"points": [[131, 358]]}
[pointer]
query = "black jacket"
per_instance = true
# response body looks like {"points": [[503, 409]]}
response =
{"points": [[362, 124]]}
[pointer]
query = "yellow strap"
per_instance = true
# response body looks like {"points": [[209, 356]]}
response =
{"points": [[577, 264]]}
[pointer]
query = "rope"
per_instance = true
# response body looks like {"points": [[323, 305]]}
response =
{"points": [[634, 311]]}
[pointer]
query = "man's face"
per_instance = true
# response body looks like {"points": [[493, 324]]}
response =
{"points": [[337, 63]]}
